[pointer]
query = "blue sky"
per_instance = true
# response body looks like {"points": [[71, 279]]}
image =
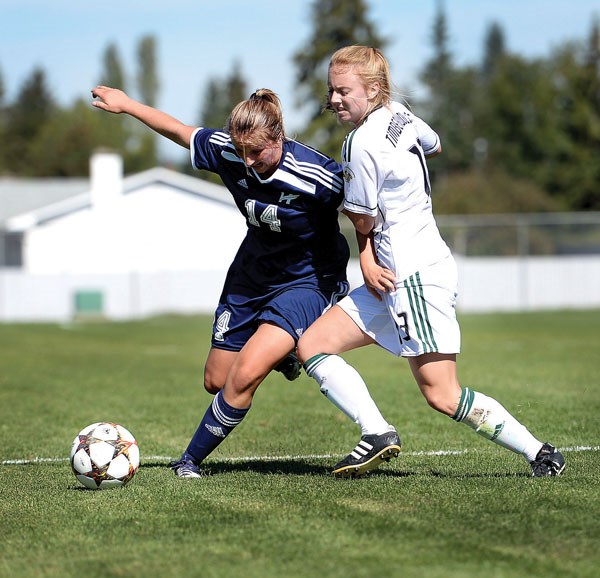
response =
{"points": [[199, 40]]}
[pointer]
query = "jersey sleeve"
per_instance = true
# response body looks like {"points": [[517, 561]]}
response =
{"points": [[206, 146], [430, 141], [362, 181]]}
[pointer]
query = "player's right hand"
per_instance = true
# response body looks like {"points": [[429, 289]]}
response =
{"points": [[109, 99]]}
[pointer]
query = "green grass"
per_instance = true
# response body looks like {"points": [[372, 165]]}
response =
{"points": [[270, 507]]}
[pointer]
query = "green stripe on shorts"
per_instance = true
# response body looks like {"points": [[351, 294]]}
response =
{"points": [[418, 306]]}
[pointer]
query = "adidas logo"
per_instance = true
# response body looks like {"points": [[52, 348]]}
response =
{"points": [[497, 431], [287, 199], [242, 183], [361, 450], [216, 431]]}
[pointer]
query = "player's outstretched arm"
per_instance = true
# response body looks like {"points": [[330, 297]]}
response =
{"points": [[116, 101]]}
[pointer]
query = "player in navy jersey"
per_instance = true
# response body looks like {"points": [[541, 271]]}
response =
{"points": [[290, 267]]}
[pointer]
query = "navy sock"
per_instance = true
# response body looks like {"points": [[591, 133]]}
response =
{"points": [[218, 422]]}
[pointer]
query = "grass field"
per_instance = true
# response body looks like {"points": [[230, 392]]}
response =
{"points": [[453, 505]]}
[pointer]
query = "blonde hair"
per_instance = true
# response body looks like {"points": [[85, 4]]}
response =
{"points": [[257, 121], [371, 66]]}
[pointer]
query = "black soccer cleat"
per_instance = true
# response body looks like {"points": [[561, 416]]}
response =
{"points": [[185, 468], [371, 451], [290, 367], [548, 462]]}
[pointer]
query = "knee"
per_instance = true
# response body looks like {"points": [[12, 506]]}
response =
{"points": [[444, 402], [212, 383], [242, 380], [212, 388], [306, 348]]}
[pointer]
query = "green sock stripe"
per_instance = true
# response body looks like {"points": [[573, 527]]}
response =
{"points": [[312, 363], [464, 405]]}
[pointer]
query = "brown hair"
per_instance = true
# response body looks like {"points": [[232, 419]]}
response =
{"points": [[371, 66], [257, 121]]}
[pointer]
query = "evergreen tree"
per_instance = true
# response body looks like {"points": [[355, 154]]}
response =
{"points": [[3, 120], [592, 65], [494, 50], [220, 97], [145, 155], [119, 127], [113, 73], [63, 146], [450, 101], [25, 118], [572, 170], [148, 83], [336, 23]]}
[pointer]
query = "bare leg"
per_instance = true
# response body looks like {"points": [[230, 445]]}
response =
{"points": [[246, 370], [436, 376]]}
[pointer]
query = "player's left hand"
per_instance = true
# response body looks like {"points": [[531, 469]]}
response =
{"points": [[378, 279]]}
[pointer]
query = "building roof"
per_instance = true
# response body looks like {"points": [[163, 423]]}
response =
{"points": [[21, 195], [25, 202]]}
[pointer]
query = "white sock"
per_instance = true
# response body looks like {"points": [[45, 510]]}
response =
{"points": [[344, 387], [491, 420]]}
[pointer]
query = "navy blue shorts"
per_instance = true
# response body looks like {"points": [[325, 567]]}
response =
{"points": [[293, 309]]}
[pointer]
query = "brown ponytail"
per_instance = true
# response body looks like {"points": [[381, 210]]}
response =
{"points": [[257, 120]]}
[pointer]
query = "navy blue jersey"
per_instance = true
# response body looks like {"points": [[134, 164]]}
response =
{"points": [[292, 217]]}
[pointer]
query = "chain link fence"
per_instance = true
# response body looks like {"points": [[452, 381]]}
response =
{"points": [[519, 234], [510, 235]]}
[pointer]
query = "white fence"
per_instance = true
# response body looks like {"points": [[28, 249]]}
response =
{"points": [[486, 284]]}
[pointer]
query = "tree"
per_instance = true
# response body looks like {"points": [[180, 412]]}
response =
{"points": [[64, 144], [112, 74], [450, 102], [3, 120], [336, 23], [220, 97], [145, 153], [592, 65], [119, 127], [572, 170], [148, 83], [33, 107], [494, 50]]}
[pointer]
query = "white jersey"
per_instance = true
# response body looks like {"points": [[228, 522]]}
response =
{"points": [[386, 177]]}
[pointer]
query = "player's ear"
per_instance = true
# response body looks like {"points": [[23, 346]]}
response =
{"points": [[373, 90]]}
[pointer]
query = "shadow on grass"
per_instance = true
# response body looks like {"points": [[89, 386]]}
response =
{"points": [[299, 467], [296, 467]]}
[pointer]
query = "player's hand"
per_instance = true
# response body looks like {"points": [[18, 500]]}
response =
{"points": [[378, 279], [110, 99]]}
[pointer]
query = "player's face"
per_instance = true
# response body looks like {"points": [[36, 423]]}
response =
{"points": [[263, 159], [348, 96]]}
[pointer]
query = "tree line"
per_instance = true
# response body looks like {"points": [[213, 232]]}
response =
{"points": [[518, 134]]}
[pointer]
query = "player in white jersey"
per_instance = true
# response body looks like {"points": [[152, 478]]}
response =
{"points": [[407, 304]]}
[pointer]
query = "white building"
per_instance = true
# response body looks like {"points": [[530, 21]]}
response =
{"points": [[117, 245], [157, 220]]}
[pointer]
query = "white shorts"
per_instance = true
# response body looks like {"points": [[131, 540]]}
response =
{"points": [[419, 317]]}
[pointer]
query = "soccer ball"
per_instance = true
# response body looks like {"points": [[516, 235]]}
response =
{"points": [[104, 455]]}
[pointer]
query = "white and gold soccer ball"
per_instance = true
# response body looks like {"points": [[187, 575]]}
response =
{"points": [[104, 455]]}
